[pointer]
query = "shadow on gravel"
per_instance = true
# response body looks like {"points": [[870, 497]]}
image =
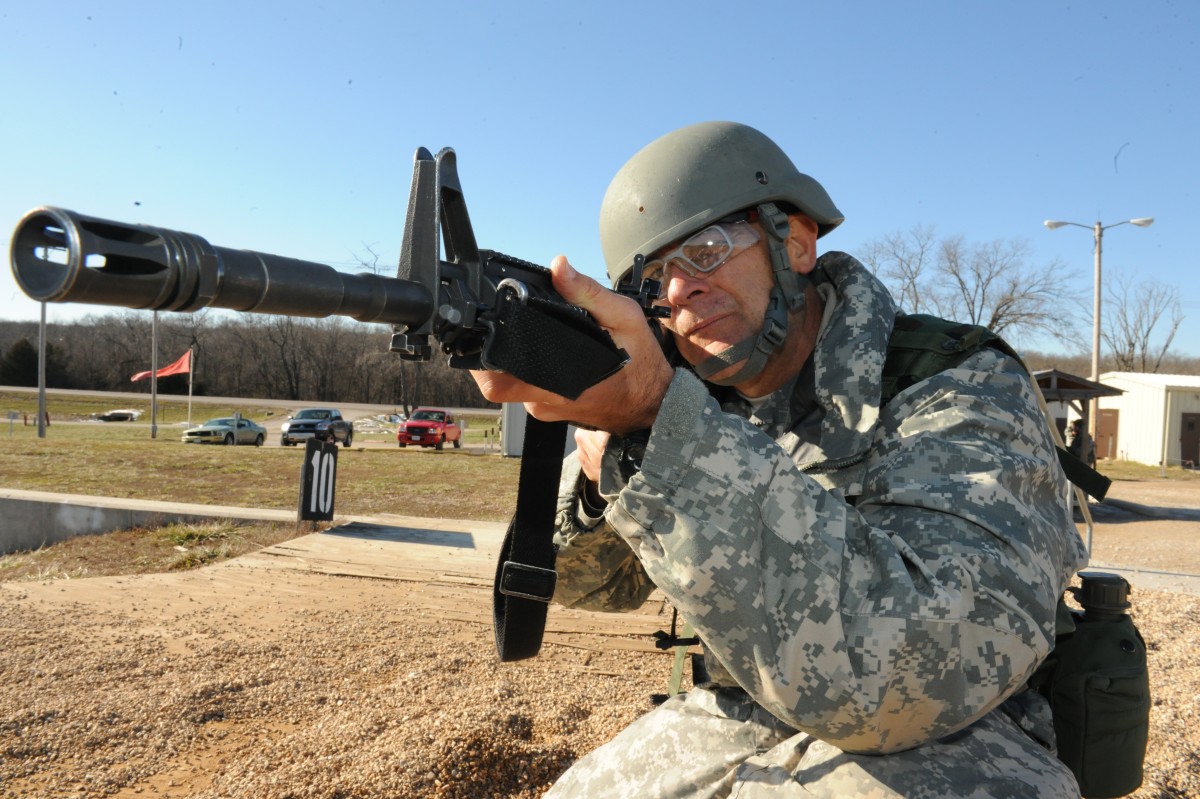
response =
{"points": [[405, 535], [1118, 511]]}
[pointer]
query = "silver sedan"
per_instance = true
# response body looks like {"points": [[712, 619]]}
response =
{"points": [[226, 430]]}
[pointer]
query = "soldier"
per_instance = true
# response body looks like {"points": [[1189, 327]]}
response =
{"points": [[873, 583], [1076, 438]]}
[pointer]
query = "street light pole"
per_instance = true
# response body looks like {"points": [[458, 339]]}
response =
{"points": [[154, 375], [1098, 234]]}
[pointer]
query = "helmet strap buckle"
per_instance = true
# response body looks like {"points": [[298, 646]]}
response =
{"points": [[791, 283]]}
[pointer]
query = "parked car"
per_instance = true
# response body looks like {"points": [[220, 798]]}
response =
{"points": [[326, 424], [226, 430], [119, 415], [430, 427]]}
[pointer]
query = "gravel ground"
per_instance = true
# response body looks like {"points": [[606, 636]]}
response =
{"points": [[339, 686], [344, 703]]}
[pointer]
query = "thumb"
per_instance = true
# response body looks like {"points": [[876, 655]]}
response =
{"points": [[579, 289]]}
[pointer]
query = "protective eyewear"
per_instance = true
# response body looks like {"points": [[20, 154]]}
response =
{"points": [[703, 252]]}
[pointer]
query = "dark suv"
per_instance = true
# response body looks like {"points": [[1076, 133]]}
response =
{"points": [[320, 423]]}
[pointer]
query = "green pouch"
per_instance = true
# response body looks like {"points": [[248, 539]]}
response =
{"points": [[1100, 694]]}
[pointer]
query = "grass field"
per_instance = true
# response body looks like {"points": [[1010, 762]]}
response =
{"points": [[122, 461], [119, 459]]}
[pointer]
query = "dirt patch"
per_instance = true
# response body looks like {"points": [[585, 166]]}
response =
{"points": [[251, 679]]}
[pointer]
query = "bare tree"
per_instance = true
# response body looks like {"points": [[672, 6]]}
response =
{"points": [[403, 388], [991, 284], [274, 346], [369, 260], [902, 260], [332, 353], [1133, 314]]}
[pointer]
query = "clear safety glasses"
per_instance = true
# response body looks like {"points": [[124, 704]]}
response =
{"points": [[703, 252]]}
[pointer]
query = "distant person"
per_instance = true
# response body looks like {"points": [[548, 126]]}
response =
{"points": [[1077, 437]]}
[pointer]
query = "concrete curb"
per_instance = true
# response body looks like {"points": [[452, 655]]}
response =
{"points": [[1152, 511], [33, 519]]}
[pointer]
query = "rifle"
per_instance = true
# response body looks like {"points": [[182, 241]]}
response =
{"points": [[486, 310]]}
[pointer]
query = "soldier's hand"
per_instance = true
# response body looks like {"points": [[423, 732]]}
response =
{"points": [[589, 446], [622, 403]]}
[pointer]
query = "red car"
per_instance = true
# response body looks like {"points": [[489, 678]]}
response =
{"points": [[430, 427]]}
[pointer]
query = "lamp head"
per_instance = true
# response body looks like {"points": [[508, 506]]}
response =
{"points": [[1054, 224], [1145, 221]]}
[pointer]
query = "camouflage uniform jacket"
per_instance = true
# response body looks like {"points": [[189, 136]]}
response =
{"points": [[877, 578]]}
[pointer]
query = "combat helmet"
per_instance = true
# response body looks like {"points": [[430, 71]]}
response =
{"points": [[695, 176]]}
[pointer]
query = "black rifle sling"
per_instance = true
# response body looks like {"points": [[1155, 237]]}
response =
{"points": [[1078, 472], [575, 354], [525, 575]]}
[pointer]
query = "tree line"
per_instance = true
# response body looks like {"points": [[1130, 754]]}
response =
{"points": [[269, 357], [332, 360]]}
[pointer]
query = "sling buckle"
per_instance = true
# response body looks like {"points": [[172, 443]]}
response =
{"points": [[527, 582]]}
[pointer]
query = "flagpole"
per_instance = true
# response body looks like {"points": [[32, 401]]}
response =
{"points": [[191, 374], [154, 376]]}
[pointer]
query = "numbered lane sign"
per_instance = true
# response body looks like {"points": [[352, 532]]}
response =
{"points": [[318, 478]]}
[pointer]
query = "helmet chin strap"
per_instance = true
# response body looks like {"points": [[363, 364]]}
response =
{"points": [[786, 295]]}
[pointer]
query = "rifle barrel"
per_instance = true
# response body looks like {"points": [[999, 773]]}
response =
{"points": [[62, 256]]}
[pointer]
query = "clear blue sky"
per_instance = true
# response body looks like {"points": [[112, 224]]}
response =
{"points": [[289, 127]]}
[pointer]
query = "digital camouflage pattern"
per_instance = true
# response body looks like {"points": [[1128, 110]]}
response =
{"points": [[866, 581]]}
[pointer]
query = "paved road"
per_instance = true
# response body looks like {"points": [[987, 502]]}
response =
{"points": [[121, 397], [352, 411]]}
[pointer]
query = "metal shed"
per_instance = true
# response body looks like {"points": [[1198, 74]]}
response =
{"points": [[1156, 420]]}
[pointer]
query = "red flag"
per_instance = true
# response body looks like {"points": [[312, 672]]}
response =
{"points": [[182, 366]]}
